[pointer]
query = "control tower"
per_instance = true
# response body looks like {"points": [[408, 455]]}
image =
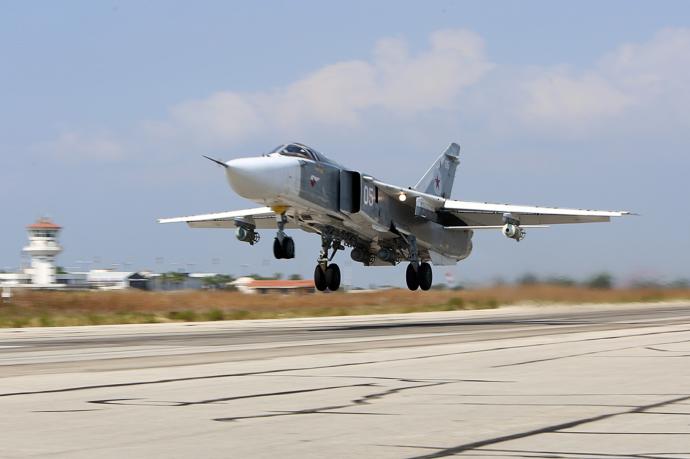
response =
{"points": [[43, 248]]}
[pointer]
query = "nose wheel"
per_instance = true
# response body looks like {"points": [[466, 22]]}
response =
{"points": [[284, 249], [419, 276], [283, 245]]}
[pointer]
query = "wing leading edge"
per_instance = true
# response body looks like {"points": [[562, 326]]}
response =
{"points": [[483, 213]]}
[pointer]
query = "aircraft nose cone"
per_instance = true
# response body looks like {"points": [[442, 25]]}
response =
{"points": [[262, 178]]}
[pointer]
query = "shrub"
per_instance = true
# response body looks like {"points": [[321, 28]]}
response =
{"points": [[602, 281], [528, 279], [456, 302], [561, 281], [238, 314], [186, 315], [215, 314]]}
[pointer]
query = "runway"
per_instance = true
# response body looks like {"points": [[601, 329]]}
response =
{"points": [[607, 381]]}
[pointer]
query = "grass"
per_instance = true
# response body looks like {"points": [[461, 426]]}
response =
{"points": [[49, 308]]}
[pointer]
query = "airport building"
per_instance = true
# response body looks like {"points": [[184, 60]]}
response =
{"points": [[42, 272], [43, 248]]}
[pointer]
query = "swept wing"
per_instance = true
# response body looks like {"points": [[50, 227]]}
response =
{"points": [[260, 217], [483, 213]]}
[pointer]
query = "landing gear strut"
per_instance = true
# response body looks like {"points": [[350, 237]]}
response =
{"points": [[327, 274], [417, 275], [283, 245]]}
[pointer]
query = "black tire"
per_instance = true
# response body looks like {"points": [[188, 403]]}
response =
{"points": [[333, 277], [288, 248], [425, 276], [320, 279], [411, 277], [277, 249]]}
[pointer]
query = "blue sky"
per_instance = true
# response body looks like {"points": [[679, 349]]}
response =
{"points": [[107, 107]]}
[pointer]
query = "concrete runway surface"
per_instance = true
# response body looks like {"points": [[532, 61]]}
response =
{"points": [[560, 382]]}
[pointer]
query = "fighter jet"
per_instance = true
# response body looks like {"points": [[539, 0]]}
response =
{"points": [[380, 223]]}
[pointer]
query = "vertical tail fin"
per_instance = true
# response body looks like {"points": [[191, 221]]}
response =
{"points": [[438, 180]]}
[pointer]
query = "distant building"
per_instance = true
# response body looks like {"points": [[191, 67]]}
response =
{"points": [[251, 286], [15, 279], [113, 280], [178, 281], [43, 248]]}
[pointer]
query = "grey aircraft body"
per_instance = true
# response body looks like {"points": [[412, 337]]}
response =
{"points": [[382, 224]]}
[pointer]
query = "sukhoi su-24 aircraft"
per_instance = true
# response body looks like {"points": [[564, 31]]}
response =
{"points": [[381, 224]]}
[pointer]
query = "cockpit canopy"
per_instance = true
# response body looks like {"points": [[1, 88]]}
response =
{"points": [[300, 151]]}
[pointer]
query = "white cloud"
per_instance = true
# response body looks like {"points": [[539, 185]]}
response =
{"points": [[337, 95], [402, 85], [433, 79], [332, 95], [637, 86], [648, 66], [77, 146], [222, 117], [559, 98], [648, 78]]}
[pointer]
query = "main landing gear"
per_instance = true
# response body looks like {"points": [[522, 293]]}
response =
{"points": [[418, 275], [283, 245], [328, 279], [327, 275]]}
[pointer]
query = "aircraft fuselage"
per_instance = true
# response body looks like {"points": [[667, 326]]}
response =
{"points": [[351, 201]]}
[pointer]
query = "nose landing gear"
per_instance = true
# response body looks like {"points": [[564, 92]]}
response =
{"points": [[284, 249], [283, 245]]}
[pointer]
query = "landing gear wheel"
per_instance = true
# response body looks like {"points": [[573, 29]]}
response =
{"points": [[320, 279], [425, 276], [411, 277], [333, 277], [288, 248], [278, 249]]}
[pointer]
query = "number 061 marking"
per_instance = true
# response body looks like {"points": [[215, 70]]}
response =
{"points": [[369, 197]]}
